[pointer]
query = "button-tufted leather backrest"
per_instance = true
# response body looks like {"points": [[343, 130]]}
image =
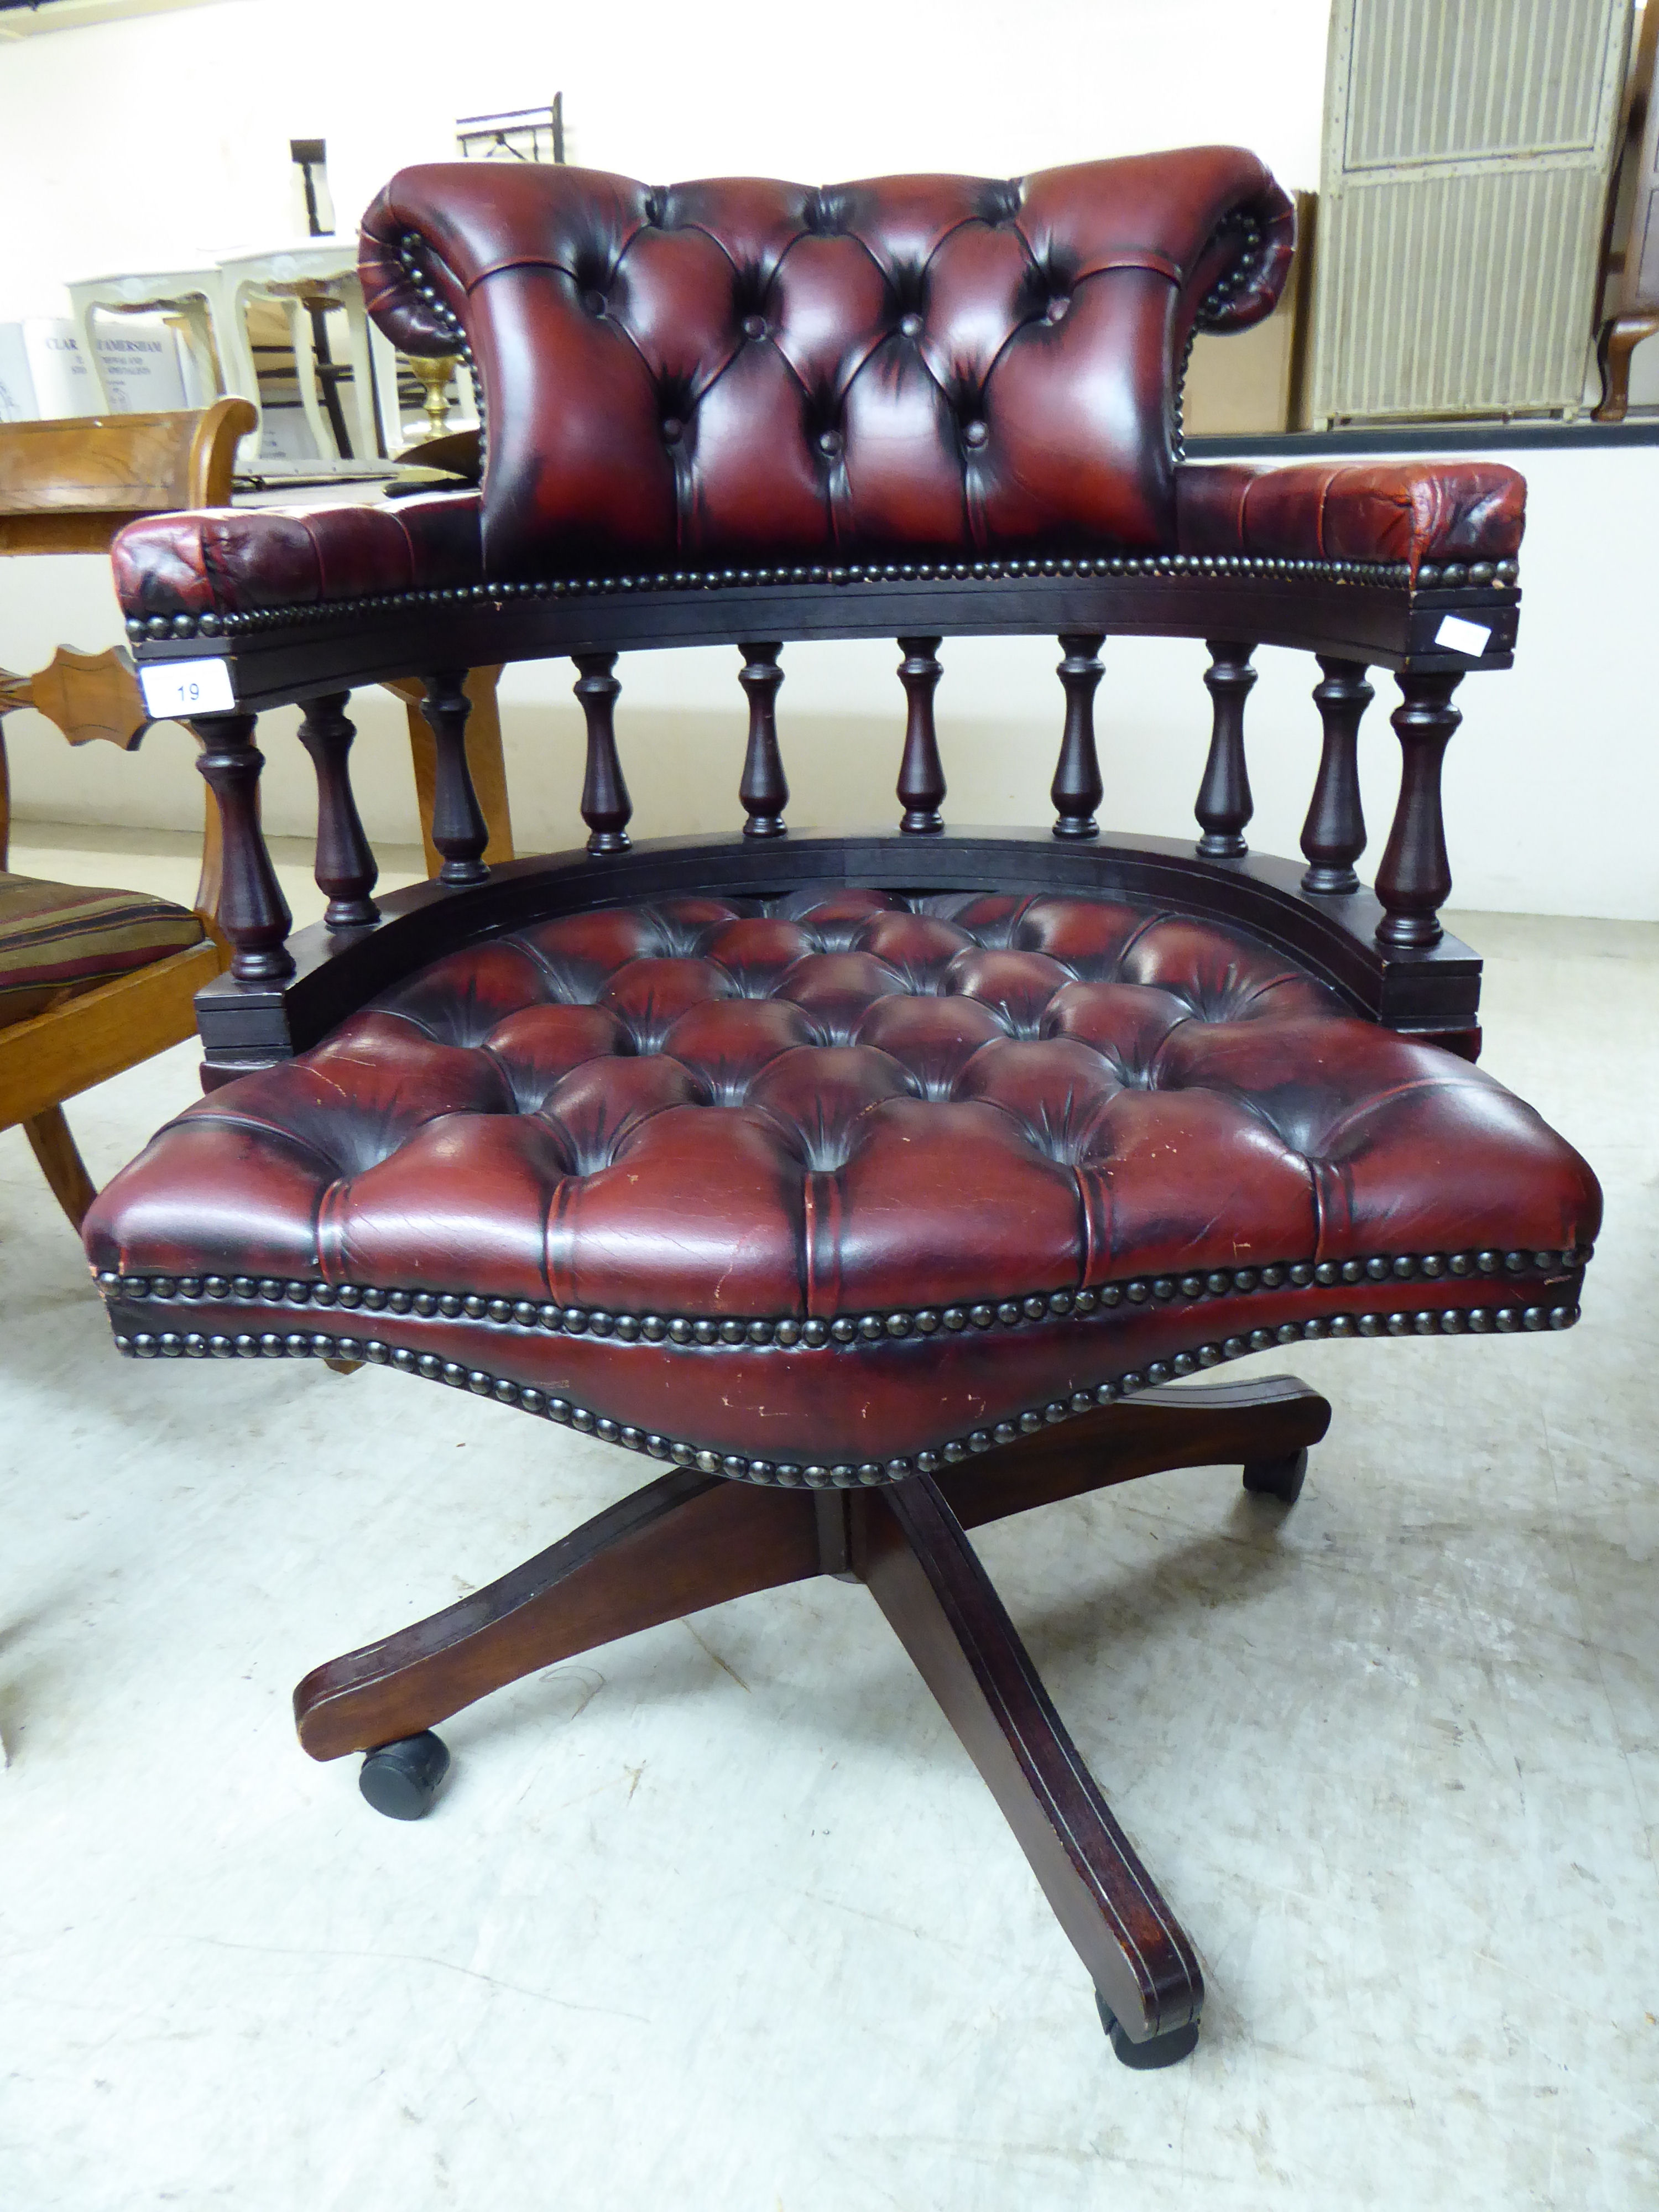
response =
{"points": [[743, 369]]}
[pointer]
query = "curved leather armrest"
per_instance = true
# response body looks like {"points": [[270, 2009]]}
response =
{"points": [[1462, 512]]}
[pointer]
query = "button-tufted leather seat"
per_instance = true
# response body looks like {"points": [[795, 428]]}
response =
{"points": [[757, 1128]]}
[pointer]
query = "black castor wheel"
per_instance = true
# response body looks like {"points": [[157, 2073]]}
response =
{"points": [[401, 1779], [1278, 1478], [1156, 2050]]}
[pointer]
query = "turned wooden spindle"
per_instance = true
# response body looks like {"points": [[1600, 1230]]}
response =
{"points": [[1224, 804], [764, 790], [1077, 787], [921, 773], [251, 910], [606, 806], [459, 830], [1333, 835], [1415, 877], [345, 865]]}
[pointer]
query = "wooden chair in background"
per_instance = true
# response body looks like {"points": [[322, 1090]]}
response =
{"points": [[94, 981], [1629, 260], [67, 487]]}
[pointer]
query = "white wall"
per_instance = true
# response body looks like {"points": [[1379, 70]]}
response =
{"points": [[140, 142], [135, 141]]}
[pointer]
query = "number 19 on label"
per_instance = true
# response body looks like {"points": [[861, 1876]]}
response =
{"points": [[187, 687]]}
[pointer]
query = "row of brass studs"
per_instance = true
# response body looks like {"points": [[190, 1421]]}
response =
{"points": [[1476, 1320], [409, 255], [844, 1328], [1245, 270], [140, 628]]}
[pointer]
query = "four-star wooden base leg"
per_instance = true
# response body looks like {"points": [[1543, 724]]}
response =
{"points": [[910, 1550], [689, 1541], [684, 1542]]}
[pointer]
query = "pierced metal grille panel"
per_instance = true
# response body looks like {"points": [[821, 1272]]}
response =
{"points": [[1467, 149]]}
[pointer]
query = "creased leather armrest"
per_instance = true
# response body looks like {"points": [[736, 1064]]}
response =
{"points": [[1369, 511]]}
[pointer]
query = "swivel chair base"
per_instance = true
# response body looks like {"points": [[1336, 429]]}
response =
{"points": [[691, 1540]]}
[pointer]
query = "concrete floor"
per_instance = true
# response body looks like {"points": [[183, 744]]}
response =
{"points": [[720, 1916]]}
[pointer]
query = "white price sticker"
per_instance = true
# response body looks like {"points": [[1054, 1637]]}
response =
{"points": [[1457, 635], [187, 687]]}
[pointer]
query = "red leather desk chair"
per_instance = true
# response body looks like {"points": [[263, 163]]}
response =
{"points": [[876, 1185]]}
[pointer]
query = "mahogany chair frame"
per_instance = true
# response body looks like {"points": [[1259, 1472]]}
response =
{"points": [[693, 1538]]}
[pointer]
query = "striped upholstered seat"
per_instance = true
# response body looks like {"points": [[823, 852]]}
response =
{"points": [[59, 938]]}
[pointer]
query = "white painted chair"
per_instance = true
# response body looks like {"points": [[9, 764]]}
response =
{"points": [[212, 299], [193, 294], [322, 273]]}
